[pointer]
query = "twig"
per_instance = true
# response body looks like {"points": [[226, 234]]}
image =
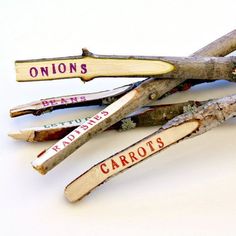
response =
{"points": [[180, 128], [77, 100], [219, 48]]}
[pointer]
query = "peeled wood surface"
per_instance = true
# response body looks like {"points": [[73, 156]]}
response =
{"points": [[181, 127], [89, 66], [76, 100], [127, 66]]}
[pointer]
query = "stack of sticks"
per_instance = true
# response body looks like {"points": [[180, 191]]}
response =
{"points": [[127, 107]]}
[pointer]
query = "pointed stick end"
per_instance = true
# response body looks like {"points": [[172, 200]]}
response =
{"points": [[17, 111], [70, 196], [67, 196], [26, 135], [39, 168]]}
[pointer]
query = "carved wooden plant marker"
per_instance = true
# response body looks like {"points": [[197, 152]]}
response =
{"points": [[75, 100], [181, 127], [93, 66]]}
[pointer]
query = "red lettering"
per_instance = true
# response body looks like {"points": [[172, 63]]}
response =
{"points": [[91, 122], [84, 127], [73, 99], [77, 131], [56, 148], [150, 144], [114, 164], [45, 103], [41, 153], [160, 143], [65, 143], [83, 98], [143, 153], [105, 113], [133, 157], [102, 167], [123, 160], [71, 137], [97, 117], [63, 100], [53, 102]]}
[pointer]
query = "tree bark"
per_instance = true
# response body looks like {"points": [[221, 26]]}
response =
{"points": [[220, 47]]}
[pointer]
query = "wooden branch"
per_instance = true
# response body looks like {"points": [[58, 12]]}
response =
{"points": [[180, 128], [89, 66], [147, 116], [76, 100], [220, 47], [148, 91], [126, 66]]}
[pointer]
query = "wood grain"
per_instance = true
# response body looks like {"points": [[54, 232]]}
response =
{"points": [[126, 158], [90, 66]]}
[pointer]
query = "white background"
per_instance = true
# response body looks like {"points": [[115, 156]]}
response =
{"points": [[189, 189]]}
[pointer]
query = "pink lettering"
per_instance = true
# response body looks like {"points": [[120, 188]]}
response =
{"points": [[97, 117], [62, 68], [45, 103], [71, 137], [73, 99], [63, 101], [91, 122], [56, 148]]}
